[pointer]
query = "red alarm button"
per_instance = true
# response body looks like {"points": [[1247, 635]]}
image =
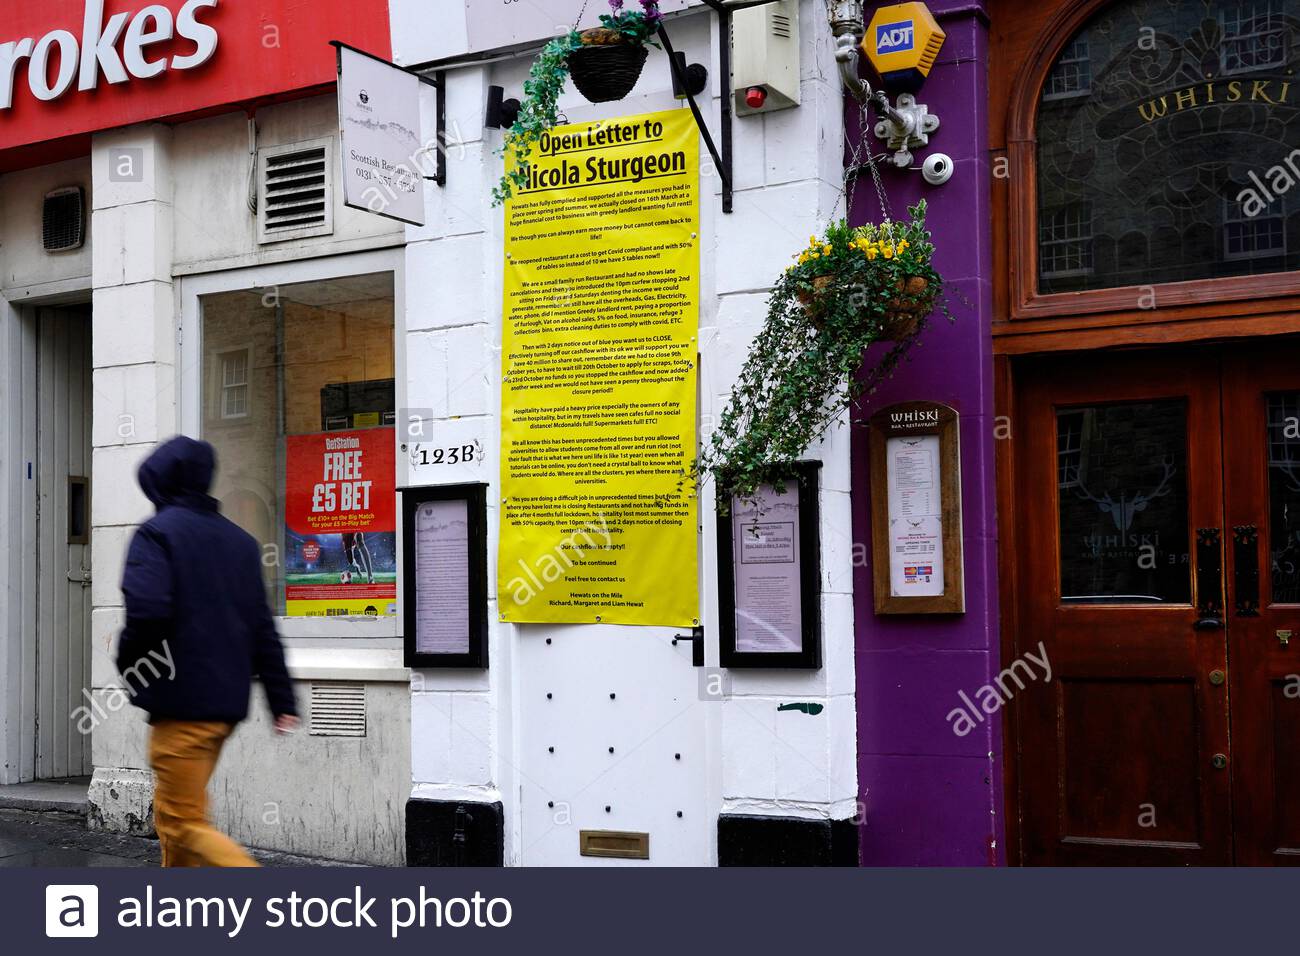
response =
{"points": [[755, 97]]}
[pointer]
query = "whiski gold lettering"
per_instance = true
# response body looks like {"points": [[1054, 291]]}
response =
{"points": [[1271, 92]]}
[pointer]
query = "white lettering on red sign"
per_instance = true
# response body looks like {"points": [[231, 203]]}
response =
{"points": [[342, 488], [98, 50]]}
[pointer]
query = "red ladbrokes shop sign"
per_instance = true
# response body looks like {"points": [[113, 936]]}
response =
{"points": [[73, 67]]}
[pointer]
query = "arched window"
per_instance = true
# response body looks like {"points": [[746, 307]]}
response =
{"points": [[1168, 146]]}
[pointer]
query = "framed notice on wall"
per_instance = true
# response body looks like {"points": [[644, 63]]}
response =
{"points": [[916, 510], [768, 570], [444, 574]]}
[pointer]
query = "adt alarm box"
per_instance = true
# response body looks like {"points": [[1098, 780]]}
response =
{"points": [[902, 42]]}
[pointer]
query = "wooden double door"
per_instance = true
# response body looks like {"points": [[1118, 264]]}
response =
{"points": [[1157, 565]]}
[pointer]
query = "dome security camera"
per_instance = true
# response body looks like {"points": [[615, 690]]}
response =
{"points": [[937, 168]]}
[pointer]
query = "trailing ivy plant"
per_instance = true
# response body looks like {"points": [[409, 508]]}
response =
{"points": [[849, 289], [546, 78], [537, 111]]}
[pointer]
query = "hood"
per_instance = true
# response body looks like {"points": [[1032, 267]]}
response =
{"points": [[179, 472]]}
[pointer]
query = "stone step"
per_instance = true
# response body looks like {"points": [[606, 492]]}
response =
{"points": [[66, 796]]}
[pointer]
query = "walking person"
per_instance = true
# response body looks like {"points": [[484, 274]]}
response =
{"points": [[194, 595]]}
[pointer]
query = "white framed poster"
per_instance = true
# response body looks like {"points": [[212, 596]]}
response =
{"points": [[915, 516]]}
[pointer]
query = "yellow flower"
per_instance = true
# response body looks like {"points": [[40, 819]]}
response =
{"points": [[871, 254], [826, 249], [812, 241], [815, 255], [888, 252]]}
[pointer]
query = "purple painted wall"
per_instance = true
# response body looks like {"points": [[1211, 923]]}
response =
{"points": [[929, 796]]}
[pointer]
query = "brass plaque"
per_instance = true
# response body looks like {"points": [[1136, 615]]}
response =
{"points": [[614, 843]]}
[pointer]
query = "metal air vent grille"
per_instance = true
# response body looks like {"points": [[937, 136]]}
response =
{"points": [[296, 197], [63, 220], [338, 709]]}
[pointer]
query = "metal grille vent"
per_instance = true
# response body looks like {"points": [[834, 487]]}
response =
{"points": [[296, 192], [780, 25], [338, 709], [931, 53], [63, 220]]}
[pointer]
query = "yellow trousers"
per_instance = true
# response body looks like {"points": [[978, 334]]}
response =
{"points": [[184, 754]]}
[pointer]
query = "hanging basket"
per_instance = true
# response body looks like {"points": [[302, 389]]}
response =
{"points": [[606, 67], [915, 300]]}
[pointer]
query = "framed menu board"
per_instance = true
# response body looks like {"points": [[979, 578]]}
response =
{"points": [[768, 571], [444, 546], [916, 510]]}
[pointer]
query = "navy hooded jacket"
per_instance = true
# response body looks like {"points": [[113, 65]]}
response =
{"points": [[198, 627]]}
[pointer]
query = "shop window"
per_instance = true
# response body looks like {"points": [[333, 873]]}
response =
{"points": [[1248, 237], [1069, 449], [305, 375], [1065, 240], [1072, 73], [1123, 503], [1254, 37], [234, 383], [1165, 147]]}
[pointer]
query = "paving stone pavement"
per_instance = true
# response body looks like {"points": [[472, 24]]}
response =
{"points": [[54, 838]]}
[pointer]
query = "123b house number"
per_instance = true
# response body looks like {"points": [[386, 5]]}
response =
{"points": [[452, 455]]}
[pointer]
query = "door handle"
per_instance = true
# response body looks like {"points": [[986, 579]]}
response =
{"points": [[1209, 579], [1245, 570], [696, 637]]}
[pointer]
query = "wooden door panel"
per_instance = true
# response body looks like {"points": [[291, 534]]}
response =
{"points": [[1116, 752], [1284, 792], [1261, 400], [1125, 777]]}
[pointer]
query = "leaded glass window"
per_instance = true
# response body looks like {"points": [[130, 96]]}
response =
{"points": [[1169, 146]]}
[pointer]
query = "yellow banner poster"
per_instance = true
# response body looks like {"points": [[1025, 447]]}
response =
{"points": [[598, 359]]}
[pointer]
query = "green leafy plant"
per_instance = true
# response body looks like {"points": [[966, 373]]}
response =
{"points": [[537, 111], [634, 26], [546, 78], [849, 289]]}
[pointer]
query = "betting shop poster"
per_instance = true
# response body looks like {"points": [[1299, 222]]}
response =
{"points": [[341, 524]]}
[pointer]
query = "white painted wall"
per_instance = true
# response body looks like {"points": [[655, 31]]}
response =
{"points": [[214, 228], [27, 271], [466, 735]]}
